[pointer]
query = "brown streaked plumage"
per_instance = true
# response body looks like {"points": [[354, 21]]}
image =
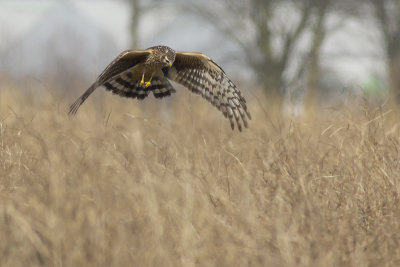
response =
{"points": [[135, 73]]}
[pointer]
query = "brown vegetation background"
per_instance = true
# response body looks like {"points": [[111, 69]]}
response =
{"points": [[125, 184]]}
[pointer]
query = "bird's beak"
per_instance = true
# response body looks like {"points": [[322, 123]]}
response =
{"points": [[170, 64]]}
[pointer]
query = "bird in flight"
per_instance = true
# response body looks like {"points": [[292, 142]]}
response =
{"points": [[136, 73]]}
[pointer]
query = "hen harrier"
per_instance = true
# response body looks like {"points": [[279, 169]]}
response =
{"points": [[134, 73]]}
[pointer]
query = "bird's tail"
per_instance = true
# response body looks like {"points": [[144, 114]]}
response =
{"points": [[75, 106]]}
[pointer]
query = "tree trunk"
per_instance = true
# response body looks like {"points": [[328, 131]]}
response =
{"points": [[389, 20], [394, 74], [134, 27], [271, 81], [313, 78]]}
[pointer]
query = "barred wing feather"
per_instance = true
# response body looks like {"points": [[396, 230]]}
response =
{"points": [[202, 76]]}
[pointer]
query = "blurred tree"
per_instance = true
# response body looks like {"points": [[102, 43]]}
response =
{"points": [[271, 65], [134, 27], [138, 10], [318, 34], [276, 29], [387, 14]]}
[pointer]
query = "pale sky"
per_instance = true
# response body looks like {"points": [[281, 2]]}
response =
{"points": [[351, 51], [17, 16]]}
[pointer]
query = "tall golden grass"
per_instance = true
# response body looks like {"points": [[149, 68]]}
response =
{"points": [[128, 183]]}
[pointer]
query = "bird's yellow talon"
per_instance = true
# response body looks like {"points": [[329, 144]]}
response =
{"points": [[142, 81], [147, 84]]}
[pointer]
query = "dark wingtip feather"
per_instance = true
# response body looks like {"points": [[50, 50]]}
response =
{"points": [[232, 124], [245, 123], [244, 107], [75, 106]]}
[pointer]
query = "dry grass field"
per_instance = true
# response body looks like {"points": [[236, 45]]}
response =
{"points": [[128, 183]]}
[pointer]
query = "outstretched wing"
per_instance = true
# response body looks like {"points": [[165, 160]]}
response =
{"points": [[203, 76], [123, 63]]}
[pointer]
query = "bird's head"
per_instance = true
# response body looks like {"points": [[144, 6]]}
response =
{"points": [[168, 58], [167, 61], [164, 54]]}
